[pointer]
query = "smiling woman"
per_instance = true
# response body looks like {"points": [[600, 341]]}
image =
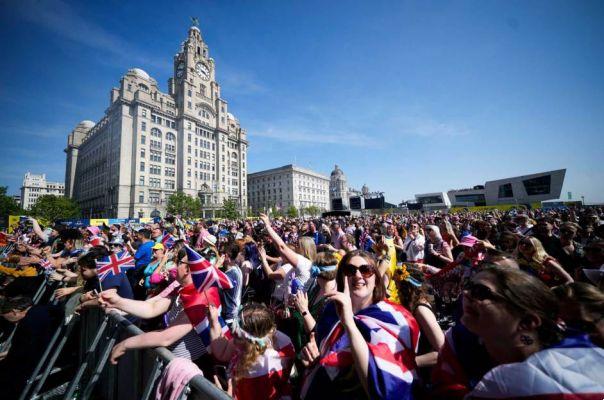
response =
{"points": [[515, 315], [367, 343]]}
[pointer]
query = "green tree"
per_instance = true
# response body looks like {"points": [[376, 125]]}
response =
{"points": [[51, 208], [229, 209], [8, 205], [313, 210], [292, 212], [181, 203]]}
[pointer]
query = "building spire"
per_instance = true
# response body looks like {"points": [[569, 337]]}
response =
{"points": [[195, 22]]}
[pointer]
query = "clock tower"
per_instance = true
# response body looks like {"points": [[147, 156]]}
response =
{"points": [[195, 87]]}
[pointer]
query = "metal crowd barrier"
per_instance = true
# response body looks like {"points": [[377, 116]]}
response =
{"points": [[135, 377]]}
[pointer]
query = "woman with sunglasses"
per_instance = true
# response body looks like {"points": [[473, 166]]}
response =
{"points": [[367, 343], [533, 258], [515, 316], [157, 270]]}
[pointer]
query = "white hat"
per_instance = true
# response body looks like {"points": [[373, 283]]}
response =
{"points": [[211, 239]]}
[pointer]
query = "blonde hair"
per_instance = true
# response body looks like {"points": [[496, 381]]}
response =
{"points": [[307, 248], [538, 256]]}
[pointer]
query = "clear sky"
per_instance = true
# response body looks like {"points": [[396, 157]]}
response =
{"points": [[406, 96]]}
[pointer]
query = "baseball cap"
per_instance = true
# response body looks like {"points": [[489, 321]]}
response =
{"points": [[158, 246]]}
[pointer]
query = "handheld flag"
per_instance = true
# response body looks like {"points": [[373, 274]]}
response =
{"points": [[114, 264], [168, 240], [44, 263], [196, 306], [204, 274]]}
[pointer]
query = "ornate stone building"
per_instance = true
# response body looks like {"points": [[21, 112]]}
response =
{"points": [[338, 190], [151, 144]]}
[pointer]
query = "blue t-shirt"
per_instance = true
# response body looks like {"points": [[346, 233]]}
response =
{"points": [[143, 254]]}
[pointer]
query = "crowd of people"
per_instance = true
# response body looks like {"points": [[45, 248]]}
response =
{"points": [[427, 305]]}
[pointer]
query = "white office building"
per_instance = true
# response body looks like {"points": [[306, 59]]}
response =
{"points": [[35, 186], [287, 186]]}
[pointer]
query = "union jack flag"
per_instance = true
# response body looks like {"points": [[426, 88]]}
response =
{"points": [[167, 240], [196, 305], [207, 279], [204, 274], [44, 263], [114, 264], [392, 336]]}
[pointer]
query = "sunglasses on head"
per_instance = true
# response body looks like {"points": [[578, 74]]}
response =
{"points": [[478, 291], [365, 270]]}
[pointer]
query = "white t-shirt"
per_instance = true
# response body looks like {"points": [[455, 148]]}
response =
{"points": [[281, 290], [303, 271]]}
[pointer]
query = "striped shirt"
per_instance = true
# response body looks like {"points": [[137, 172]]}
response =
{"points": [[189, 346]]}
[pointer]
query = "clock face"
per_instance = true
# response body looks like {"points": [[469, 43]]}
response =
{"points": [[202, 70], [180, 70]]}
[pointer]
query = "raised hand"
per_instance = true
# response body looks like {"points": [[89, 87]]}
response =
{"points": [[301, 301], [310, 352]]}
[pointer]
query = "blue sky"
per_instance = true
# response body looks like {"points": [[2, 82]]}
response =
{"points": [[408, 97]]}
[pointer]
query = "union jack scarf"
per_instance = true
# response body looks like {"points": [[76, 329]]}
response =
{"points": [[392, 335]]}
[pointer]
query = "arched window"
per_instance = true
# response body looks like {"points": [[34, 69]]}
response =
{"points": [[170, 136], [234, 155], [143, 87], [156, 132]]}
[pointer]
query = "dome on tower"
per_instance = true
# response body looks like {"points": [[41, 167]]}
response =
{"points": [[365, 189], [86, 124], [337, 172], [139, 73]]}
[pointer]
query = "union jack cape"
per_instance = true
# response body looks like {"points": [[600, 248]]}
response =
{"points": [[570, 370], [392, 336], [114, 264], [207, 280]]}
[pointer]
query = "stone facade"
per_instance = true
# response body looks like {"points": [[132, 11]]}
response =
{"points": [[35, 186], [287, 186], [150, 144], [338, 190]]}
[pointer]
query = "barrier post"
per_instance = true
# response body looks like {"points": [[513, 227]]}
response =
{"points": [[101, 365], [78, 376]]}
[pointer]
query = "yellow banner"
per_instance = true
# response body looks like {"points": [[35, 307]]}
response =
{"points": [[13, 222], [501, 207], [99, 221]]}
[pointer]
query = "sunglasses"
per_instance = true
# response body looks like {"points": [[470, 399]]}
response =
{"points": [[365, 270], [527, 244], [480, 292]]}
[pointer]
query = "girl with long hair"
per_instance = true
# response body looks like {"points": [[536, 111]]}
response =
{"points": [[260, 357], [533, 258]]}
